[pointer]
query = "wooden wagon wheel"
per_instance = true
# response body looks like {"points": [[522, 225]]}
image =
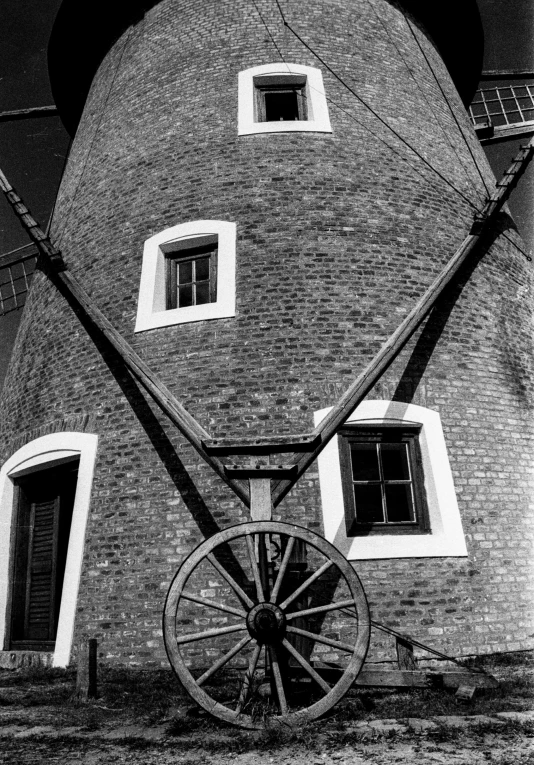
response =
{"points": [[281, 615]]}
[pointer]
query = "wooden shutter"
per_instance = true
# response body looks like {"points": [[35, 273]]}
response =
{"points": [[44, 513], [41, 572]]}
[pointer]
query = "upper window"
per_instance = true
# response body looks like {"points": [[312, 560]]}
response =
{"points": [[188, 274], [387, 489], [282, 98], [382, 479]]}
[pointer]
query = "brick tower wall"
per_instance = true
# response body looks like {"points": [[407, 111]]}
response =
{"points": [[337, 235]]}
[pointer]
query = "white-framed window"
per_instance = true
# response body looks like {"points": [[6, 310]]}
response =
{"points": [[45, 490], [387, 489], [281, 98], [188, 274]]}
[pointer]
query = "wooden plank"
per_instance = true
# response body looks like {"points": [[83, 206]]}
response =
{"points": [[355, 394], [396, 678], [263, 445], [52, 264], [261, 508], [505, 132], [260, 471]]}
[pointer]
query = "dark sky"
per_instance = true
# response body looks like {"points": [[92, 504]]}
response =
{"points": [[32, 152]]}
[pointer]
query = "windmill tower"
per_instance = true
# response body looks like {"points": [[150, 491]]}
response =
{"points": [[255, 198]]}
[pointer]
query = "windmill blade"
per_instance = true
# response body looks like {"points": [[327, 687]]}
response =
{"points": [[16, 271], [502, 112]]}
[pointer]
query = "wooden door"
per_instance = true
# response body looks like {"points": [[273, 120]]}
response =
{"points": [[44, 512]]}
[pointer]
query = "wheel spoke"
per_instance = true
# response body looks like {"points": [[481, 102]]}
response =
{"points": [[282, 570], [212, 604], [241, 594], [306, 584], [278, 680], [209, 633], [255, 569], [305, 665], [320, 639], [320, 609], [224, 660], [247, 680]]}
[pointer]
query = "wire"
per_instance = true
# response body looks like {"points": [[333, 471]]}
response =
{"points": [[387, 125], [367, 106], [416, 80], [438, 83], [269, 32]]}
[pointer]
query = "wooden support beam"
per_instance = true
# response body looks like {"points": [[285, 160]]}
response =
{"points": [[262, 445], [32, 113], [261, 508], [83, 305], [261, 471], [505, 132], [334, 420], [19, 255]]}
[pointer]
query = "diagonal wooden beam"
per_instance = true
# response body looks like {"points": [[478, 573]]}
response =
{"points": [[334, 420], [51, 262]]}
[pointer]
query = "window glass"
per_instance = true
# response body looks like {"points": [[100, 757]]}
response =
{"points": [[382, 480], [191, 276]]}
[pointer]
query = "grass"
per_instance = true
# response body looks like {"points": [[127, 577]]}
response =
{"points": [[128, 697]]}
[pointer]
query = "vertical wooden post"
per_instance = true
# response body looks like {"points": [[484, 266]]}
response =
{"points": [[405, 657], [86, 678]]}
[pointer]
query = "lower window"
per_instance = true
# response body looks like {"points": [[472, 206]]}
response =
{"points": [[387, 489], [382, 479], [44, 504]]}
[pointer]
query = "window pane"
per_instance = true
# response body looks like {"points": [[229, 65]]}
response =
{"points": [[203, 293], [364, 462], [185, 296], [202, 266], [185, 273], [395, 462], [368, 501], [281, 106], [399, 503]]}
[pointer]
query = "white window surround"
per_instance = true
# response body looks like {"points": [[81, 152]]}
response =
{"points": [[446, 536], [318, 119], [40, 454], [151, 311]]}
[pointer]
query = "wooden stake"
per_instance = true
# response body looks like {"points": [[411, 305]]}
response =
{"points": [[86, 678]]}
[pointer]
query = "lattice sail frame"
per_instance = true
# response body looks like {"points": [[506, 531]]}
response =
{"points": [[16, 271], [505, 110]]}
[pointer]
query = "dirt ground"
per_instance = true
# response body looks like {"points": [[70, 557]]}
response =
{"points": [[145, 718]]}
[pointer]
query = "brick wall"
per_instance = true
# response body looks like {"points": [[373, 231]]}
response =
{"points": [[338, 235]]}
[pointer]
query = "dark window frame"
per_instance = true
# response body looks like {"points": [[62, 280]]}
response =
{"points": [[280, 84], [383, 434], [190, 251]]}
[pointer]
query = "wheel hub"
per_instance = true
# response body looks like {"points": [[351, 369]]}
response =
{"points": [[266, 623]]}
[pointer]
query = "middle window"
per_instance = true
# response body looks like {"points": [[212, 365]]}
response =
{"points": [[191, 275]]}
